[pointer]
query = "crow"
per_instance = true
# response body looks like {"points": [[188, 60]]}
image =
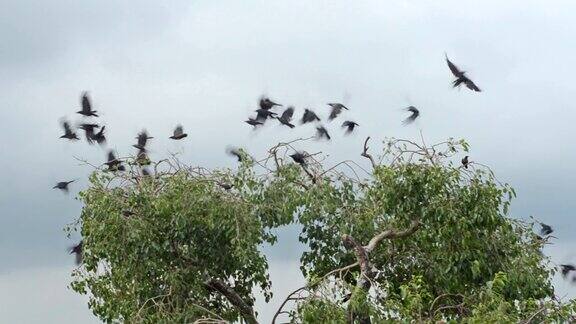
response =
{"points": [[263, 114], [68, 133], [86, 106], [142, 158], [461, 77], [322, 132], [566, 268], [178, 133], [77, 250], [336, 110], [299, 158], [286, 117], [89, 132], [113, 163], [225, 186], [99, 137], [415, 113], [232, 151], [267, 104], [350, 125], [546, 229], [63, 185], [309, 116], [253, 122], [142, 140], [465, 162]]}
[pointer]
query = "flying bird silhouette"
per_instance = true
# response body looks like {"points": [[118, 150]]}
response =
{"points": [[86, 106], [142, 140], [178, 133], [566, 269], [461, 77], [113, 163], [253, 122], [287, 117], [232, 151], [299, 158], [546, 229], [89, 132], [68, 133], [465, 162], [336, 110], [321, 132], [99, 137], [309, 117], [263, 114], [267, 104], [142, 158], [63, 185], [77, 251], [415, 113], [350, 126]]}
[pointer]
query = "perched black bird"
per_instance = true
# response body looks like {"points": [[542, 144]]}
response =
{"points": [[89, 132], [465, 162], [322, 132], [309, 117], [178, 133], [546, 229], [336, 110], [566, 268], [287, 117], [461, 77], [267, 104], [235, 152], [263, 114], [86, 106], [142, 140], [77, 250], [63, 185], [253, 122], [415, 113], [225, 186], [350, 126], [68, 133], [113, 163], [99, 137], [299, 158]]}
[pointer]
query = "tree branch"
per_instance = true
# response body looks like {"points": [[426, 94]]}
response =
{"points": [[245, 310], [368, 155], [391, 234]]}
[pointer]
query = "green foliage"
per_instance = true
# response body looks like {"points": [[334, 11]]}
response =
{"points": [[468, 261]]}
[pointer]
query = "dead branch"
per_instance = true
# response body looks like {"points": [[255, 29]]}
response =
{"points": [[368, 155], [391, 234], [245, 310]]}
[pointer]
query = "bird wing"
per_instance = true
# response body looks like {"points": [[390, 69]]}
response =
{"points": [[287, 114], [413, 110], [67, 128], [470, 85], [178, 130], [86, 106], [457, 73], [111, 156]]}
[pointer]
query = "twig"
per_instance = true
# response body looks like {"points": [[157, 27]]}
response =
{"points": [[368, 155]]}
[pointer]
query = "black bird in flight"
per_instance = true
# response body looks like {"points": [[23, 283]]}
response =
{"points": [[142, 158], [77, 250], [253, 122], [546, 229], [178, 133], [86, 106], [267, 104], [99, 137], [287, 117], [321, 132], [309, 117], [68, 133], [89, 131], [113, 163], [263, 114], [566, 269], [336, 110], [299, 158], [63, 185], [232, 151], [461, 77], [415, 113], [465, 162], [350, 126], [142, 140]]}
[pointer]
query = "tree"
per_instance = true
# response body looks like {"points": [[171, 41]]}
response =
{"points": [[416, 238]]}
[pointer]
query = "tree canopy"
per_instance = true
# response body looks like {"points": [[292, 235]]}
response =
{"points": [[407, 235]]}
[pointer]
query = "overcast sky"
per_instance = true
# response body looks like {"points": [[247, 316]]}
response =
{"points": [[153, 64]]}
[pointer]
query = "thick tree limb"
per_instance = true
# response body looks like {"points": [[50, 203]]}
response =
{"points": [[245, 310], [368, 155], [391, 234]]}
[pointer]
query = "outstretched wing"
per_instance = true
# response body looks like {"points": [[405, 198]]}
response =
{"points": [[470, 85], [457, 73], [287, 114]]}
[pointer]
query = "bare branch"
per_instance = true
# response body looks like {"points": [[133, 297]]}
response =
{"points": [[391, 234], [245, 310], [368, 155]]}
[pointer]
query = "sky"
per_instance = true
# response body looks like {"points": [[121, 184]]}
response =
{"points": [[204, 64]]}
